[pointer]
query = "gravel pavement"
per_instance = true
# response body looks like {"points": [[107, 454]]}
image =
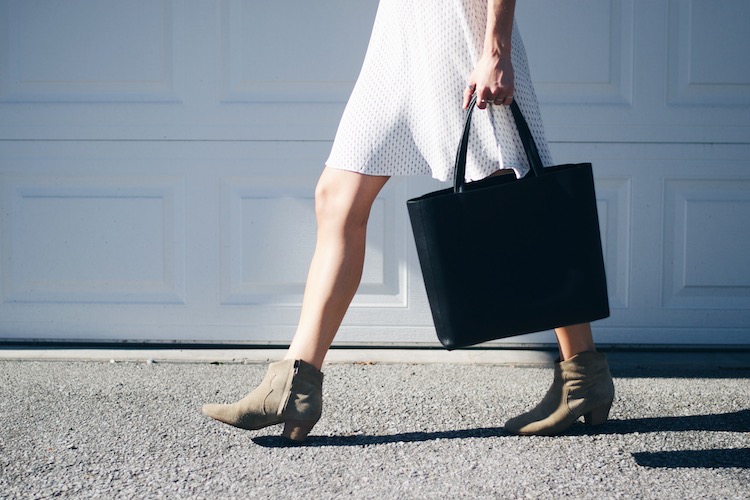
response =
{"points": [[134, 430]]}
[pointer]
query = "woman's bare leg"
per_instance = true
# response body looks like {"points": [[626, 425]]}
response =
{"points": [[342, 206], [574, 339]]}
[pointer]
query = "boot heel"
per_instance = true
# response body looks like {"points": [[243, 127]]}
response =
{"points": [[297, 430], [598, 415]]}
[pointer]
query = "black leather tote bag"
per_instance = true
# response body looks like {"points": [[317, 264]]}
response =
{"points": [[502, 257]]}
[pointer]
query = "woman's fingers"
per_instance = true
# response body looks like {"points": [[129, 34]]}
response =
{"points": [[497, 99], [483, 102], [468, 92], [498, 94], [494, 81], [504, 100]]}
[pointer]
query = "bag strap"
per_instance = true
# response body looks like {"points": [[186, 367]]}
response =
{"points": [[529, 146], [532, 153]]}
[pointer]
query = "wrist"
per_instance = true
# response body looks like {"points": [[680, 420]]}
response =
{"points": [[497, 44], [497, 51]]}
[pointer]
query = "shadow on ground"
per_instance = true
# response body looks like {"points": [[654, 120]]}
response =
{"points": [[738, 421], [679, 371], [728, 422], [705, 459], [369, 440]]}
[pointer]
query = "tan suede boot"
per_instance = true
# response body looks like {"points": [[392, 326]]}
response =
{"points": [[291, 393], [549, 403], [584, 388]]}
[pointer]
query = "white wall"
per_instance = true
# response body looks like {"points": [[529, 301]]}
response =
{"points": [[158, 159]]}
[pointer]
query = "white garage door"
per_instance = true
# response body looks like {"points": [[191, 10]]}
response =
{"points": [[158, 159]]}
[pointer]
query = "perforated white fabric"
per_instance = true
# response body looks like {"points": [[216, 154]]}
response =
{"points": [[404, 116]]}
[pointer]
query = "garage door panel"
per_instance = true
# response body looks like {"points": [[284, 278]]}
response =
{"points": [[158, 161], [707, 239], [667, 82], [613, 205], [292, 68], [601, 33], [268, 237], [683, 242], [703, 37], [89, 51], [93, 240]]}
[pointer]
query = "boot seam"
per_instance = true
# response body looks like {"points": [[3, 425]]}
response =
{"points": [[287, 394]]}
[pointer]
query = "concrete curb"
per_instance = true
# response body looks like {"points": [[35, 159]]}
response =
{"points": [[679, 362], [472, 356]]}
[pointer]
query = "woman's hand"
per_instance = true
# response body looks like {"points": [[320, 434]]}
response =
{"points": [[492, 80]]}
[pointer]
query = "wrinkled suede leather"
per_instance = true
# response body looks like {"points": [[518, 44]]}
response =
{"points": [[291, 390], [549, 403], [584, 385]]}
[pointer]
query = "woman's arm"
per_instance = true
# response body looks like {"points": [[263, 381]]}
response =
{"points": [[492, 78]]}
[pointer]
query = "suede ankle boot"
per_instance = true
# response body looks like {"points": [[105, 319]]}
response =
{"points": [[291, 393], [582, 386], [549, 403]]}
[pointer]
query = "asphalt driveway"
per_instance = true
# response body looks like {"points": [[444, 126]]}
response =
{"points": [[134, 430]]}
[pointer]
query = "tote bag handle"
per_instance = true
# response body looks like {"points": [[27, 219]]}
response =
{"points": [[529, 146]]}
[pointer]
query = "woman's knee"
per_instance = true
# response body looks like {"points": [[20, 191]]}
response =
{"points": [[329, 199], [345, 198]]}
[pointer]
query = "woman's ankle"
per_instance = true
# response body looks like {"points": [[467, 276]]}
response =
{"points": [[311, 359], [575, 339]]}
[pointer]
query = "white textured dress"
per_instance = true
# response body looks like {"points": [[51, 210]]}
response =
{"points": [[405, 114]]}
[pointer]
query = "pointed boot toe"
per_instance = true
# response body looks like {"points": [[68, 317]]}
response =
{"points": [[223, 413], [548, 404]]}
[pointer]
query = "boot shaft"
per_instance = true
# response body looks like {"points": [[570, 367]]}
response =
{"points": [[586, 376], [304, 399]]}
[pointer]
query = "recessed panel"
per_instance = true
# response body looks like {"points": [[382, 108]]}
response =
{"points": [[579, 51], [265, 56], [278, 237], [718, 239], [613, 205], [68, 241], [719, 33], [88, 50], [708, 50], [707, 240], [269, 236]]}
